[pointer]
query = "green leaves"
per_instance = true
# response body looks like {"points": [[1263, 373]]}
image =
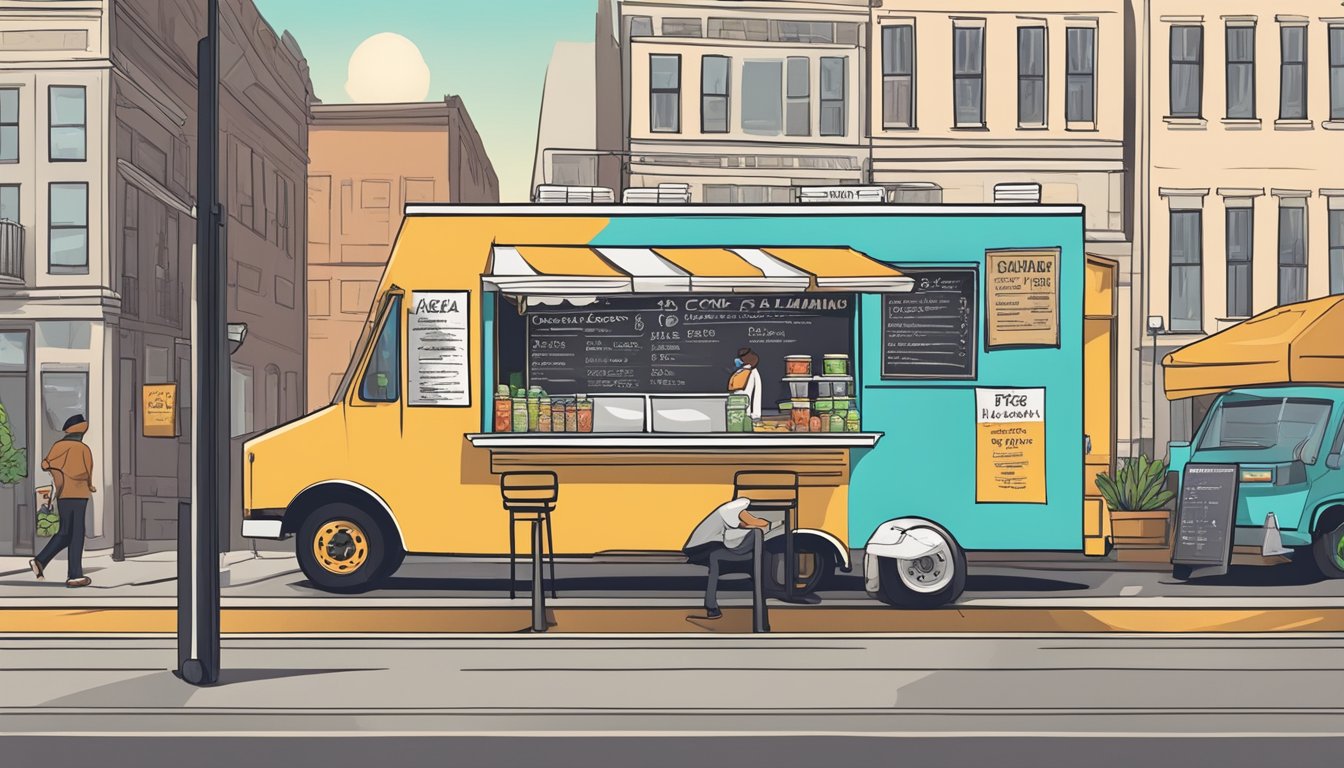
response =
{"points": [[48, 522], [1139, 486], [13, 460]]}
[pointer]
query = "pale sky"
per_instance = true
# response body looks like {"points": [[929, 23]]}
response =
{"points": [[492, 54]]}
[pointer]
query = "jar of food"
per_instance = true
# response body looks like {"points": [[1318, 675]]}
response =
{"points": [[798, 365], [837, 422], [558, 416], [852, 420], [503, 411], [823, 406], [814, 424], [584, 420], [835, 365], [572, 415], [739, 420], [544, 414], [519, 414], [799, 414]]}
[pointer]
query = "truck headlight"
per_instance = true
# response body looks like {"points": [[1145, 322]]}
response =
{"points": [[1257, 475]]}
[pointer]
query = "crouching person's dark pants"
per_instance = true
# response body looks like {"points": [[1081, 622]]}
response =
{"points": [[750, 549]]}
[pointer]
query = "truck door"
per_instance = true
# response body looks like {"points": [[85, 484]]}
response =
{"points": [[1099, 385]]}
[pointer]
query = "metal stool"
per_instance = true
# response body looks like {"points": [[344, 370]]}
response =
{"points": [[529, 497], [773, 490]]}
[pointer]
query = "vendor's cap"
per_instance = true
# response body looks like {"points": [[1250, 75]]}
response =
{"points": [[74, 421], [734, 507]]}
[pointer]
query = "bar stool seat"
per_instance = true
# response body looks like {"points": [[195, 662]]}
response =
{"points": [[529, 497]]}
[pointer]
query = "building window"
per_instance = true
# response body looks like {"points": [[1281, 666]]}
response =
{"points": [[68, 234], [1187, 71], [382, 376], [9, 125], [681, 28], [665, 93], [1080, 97], [1241, 72], [968, 75], [1031, 76], [272, 396], [240, 399], [64, 394], [640, 26], [762, 86], [1187, 264], [746, 194], [798, 97], [739, 29], [1292, 250], [804, 32], [1293, 73], [67, 123], [898, 76], [1335, 224], [834, 71], [714, 94], [1337, 73], [9, 203], [1240, 247]]}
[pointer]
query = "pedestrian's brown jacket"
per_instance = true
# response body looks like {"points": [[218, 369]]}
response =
{"points": [[70, 463]]}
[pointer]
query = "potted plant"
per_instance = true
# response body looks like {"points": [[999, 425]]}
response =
{"points": [[1137, 497]]}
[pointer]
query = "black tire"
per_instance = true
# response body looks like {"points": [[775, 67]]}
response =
{"points": [[1326, 553], [893, 590], [357, 549], [820, 560]]}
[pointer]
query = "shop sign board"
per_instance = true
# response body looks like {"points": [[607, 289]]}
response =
{"points": [[844, 194], [930, 333], [1010, 446], [158, 411], [1205, 519], [439, 349], [1021, 299]]}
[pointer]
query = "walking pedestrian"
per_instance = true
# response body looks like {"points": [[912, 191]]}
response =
{"points": [[70, 463]]}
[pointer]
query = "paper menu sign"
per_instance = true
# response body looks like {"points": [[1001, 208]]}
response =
{"points": [[159, 410], [439, 349], [1022, 298], [1010, 445]]}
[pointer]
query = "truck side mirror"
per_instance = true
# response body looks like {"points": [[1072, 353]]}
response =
{"points": [[1332, 461]]}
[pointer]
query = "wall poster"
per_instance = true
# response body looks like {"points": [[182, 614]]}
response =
{"points": [[439, 349], [1021, 299], [1010, 446]]}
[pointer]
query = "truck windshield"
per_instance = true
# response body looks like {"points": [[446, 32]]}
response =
{"points": [[1284, 428]]}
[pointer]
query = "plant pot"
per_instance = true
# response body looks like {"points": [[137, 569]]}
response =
{"points": [[1141, 536]]}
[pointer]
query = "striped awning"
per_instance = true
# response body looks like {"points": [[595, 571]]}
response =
{"points": [[573, 270]]}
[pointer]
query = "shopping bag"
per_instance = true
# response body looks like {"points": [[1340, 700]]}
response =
{"points": [[48, 520]]}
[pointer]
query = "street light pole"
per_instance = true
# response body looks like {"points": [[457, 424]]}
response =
{"points": [[198, 525]]}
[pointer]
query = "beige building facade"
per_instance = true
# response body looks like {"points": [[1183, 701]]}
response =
{"points": [[97, 185], [1242, 143], [367, 162]]}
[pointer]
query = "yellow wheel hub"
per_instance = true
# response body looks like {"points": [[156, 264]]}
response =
{"points": [[340, 547]]}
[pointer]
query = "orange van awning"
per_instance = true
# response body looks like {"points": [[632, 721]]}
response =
{"points": [[1292, 344]]}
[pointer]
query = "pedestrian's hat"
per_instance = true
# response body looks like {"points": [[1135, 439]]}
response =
{"points": [[76, 423]]}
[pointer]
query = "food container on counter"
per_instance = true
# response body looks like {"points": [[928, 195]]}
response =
{"points": [[823, 406], [572, 415], [798, 365], [503, 411], [852, 420], [837, 422], [799, 413], [835, 365], [519, 414], [814, 424], [558, 416], [584, 419], [544, 414], [533, 409], [739, 419], [798, 389]]}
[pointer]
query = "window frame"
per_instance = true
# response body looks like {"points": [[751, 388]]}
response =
{"points": [[1197, 63], [1334, 234], [1197, 266], [52, 227], [1287, 205], [894, 76], [979, 76], [1241, 262], [390, 310], [780, 64], [1089, 76], [1301, 65], [675, 91], [1334, 43], [18, 201], [823, 101], [1042, 78], [1229, 63], [793, 99], [83, 125], [18, 131], [726, 96]]}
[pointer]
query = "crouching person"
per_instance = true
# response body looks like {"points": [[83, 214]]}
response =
{"points": [[731, 534]]}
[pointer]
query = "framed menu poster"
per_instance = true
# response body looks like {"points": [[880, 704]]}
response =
{"points": [[439, 349], [1021, 299]]}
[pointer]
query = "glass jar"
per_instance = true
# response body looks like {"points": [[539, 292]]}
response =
{"points": [[558, 416], [544, 414], [739, 420], [814, 424], [503, 412], [852, 420], [519, 414], [584, 420], [572, 415], [837, 422], [799, 414], [835, 365]]}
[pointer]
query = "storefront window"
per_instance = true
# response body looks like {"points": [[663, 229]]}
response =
{"points": [[64, 394], [382, 377], [13, 351]]}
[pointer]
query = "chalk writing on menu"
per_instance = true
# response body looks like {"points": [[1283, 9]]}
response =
{"points": [[680, 344], [1022, 298], [439, 349], [930, 332], [1207, 514]]}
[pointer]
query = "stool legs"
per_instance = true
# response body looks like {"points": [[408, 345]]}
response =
{"points": [[513, 557], [538, 592], [550, 553]]}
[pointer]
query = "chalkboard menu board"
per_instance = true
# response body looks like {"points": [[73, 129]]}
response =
{"points": [[929, 333], [655, 344], [1206, 519]]}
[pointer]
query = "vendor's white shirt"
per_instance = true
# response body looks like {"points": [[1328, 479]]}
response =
{"points": [[753, 392], [723, 526]]}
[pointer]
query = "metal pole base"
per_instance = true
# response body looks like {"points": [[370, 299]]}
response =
{"points": [[194, 672], [538, 590]]}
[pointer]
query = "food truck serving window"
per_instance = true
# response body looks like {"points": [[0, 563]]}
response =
{"points": [[669, 344]]}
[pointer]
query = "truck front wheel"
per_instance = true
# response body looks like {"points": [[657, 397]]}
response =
{"points": [[1328, 552], [342, 548], [934, 579]]}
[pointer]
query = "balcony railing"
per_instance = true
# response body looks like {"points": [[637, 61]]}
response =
{"points": [[11, 250]]}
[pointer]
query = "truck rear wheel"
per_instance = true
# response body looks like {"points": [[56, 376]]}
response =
{"points": [[932, 580], [341, 548], [1328, 552]]}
